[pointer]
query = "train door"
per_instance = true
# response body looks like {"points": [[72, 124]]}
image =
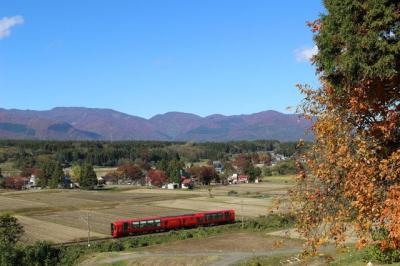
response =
{"points": [[126, 228]]}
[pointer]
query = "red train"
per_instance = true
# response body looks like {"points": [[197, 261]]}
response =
{"points": [[157, 224]]}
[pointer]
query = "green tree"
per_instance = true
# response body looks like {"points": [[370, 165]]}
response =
{"points": [[76, 170], [88, 177], [47, 169], [174, 170], [252, 172], [42, 253], [1, 180], [267, 171], [10, 233], [162, 165], [56, 176]]}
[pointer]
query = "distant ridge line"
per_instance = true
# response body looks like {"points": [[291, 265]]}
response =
{"points": [[81, 123]]}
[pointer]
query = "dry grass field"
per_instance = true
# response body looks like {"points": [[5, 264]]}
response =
{"points": [[59, 215], [225, 248]]}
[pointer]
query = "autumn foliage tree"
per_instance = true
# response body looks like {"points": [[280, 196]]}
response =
{"points": [[352, 175], [204, 174], [130, 172], [157, 177]]}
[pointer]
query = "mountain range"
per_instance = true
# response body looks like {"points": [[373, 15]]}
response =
{"points": [[79, 123]]}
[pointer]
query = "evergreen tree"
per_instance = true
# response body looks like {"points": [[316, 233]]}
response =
{"points": [[57, 176], [1, 180], [45, 173], [10, 233], [174, 170], [88, 177]]}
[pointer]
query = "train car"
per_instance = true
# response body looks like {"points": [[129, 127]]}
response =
{"points": [[157, 224]]}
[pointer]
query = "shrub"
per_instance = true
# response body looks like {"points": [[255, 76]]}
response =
{"points": [[41, 253], [232, 193], [272, 221], [375, 253]]}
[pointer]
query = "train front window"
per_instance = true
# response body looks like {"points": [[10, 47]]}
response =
{"points": [[112, 228]]}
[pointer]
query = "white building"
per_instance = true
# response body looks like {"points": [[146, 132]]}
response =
{"points": [[171, 186], [33, 182]]}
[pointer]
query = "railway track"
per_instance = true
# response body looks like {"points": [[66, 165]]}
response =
{"points": [[99, 240]]}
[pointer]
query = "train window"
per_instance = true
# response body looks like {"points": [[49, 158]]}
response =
{"points": [[200, 220], [227, 215], [157, 222], [150, 223], [112, 228], [143, 224], [211, 216], [135, 224]]}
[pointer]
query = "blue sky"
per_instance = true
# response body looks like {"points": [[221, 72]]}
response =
{"points": [[145, 57]]}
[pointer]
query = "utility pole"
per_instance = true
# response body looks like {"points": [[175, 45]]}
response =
{"points": [[87, 221], [242, 213]]}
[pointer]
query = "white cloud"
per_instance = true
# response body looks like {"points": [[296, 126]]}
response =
{"points": [[305, 54], [7, 23]]}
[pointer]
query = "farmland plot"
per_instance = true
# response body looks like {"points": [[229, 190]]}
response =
{"points": [[56, 233], [141, 211], [99, 221], [12, 204], [55, 199], [212, 204], [58, 215]]}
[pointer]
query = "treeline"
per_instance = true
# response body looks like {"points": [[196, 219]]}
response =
{"points": [[28, 153]]}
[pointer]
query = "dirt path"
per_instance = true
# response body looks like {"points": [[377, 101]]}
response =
{"points": [[227, 258]]}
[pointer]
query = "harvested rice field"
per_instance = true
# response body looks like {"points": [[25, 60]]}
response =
{"points": [[59, 215]]}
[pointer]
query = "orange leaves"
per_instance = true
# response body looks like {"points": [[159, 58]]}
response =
{"points": [[353, 169]]}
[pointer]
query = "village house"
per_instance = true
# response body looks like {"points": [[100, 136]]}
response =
{"points": [[110, 179], [238, 179], [33, 182], [187, 183], [218, 166]]}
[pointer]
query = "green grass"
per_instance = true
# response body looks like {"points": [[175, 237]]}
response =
{"points": [[119, 263], [8, 169], [262, 260], [279, 179]]}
